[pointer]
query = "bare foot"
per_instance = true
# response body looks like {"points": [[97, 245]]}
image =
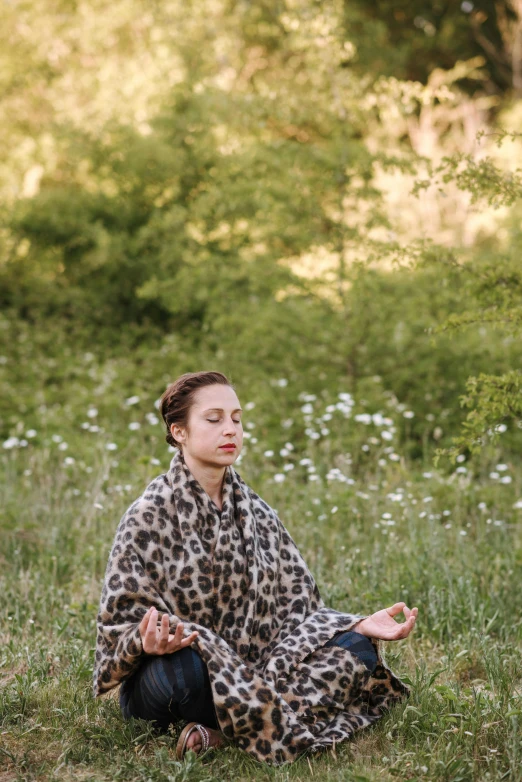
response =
{"points": [[195, 743]]}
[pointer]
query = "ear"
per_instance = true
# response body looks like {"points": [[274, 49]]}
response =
{"points": [[178, 433]]}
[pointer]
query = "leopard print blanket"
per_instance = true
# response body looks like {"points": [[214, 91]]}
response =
{"points": [[241, 582]]}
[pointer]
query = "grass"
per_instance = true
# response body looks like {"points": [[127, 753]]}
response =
{"points": [[449, 543]]}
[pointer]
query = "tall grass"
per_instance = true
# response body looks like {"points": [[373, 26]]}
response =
{"points": [[374, 530]]}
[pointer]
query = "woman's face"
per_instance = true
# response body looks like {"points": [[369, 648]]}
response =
{"points": [[214, 421]]}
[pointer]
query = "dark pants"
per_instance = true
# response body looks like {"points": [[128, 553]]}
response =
{"points": [[171, 687]]}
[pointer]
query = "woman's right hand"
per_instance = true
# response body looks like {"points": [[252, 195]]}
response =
{"points": [[158, 640]]}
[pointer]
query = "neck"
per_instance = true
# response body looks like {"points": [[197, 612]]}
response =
{"points": [[209, 477]]}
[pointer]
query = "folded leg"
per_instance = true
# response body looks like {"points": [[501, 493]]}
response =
{"points": [[359, 645], [170, 687]]}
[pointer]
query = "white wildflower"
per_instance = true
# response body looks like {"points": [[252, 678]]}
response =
{"points": [[69, 460], [386, 435], [502, 467], [279, 477], [408, 414], [152, 419], [63, 447], [92, 412], [111, 446], [282, 382], [31, 433], [11, 442], [506, 479], [363, 418], [307, 409], [134, 426], [132, 400], [250, 405], [268, 454], [57, 438]]}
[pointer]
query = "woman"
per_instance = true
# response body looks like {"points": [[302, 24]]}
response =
{"points": [[209, 613]]}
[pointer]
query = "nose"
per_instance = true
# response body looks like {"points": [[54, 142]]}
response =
{"points": [[229, 427]]}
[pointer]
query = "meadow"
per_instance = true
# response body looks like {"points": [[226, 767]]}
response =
{"points": [[322, 201], [374, 526]]}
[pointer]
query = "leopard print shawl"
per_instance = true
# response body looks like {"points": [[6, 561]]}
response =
{"points": [[241, 582]]}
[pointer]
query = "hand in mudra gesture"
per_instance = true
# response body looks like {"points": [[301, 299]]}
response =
{"points": [[158, 640], [382, 624]]}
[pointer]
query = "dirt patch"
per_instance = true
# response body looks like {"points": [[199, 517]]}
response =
{"points": [[8, 676]]}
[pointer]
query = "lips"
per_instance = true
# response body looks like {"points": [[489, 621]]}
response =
{"points": [[228, 447]]}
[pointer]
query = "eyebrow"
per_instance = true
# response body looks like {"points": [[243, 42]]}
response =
{"points": [[220, 410]]}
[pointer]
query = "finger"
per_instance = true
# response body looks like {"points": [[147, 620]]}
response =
{"points": [[163, 636], [395, 609], [174, 645], [145, 621], [407, 612], [190, 638], [151, 629], [407, 627], [149, 635], [415, 611]]}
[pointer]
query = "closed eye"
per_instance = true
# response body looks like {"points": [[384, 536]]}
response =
{"points": [[216, 420]]}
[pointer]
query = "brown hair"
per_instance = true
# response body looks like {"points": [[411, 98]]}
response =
{"points": [[178, 398]]}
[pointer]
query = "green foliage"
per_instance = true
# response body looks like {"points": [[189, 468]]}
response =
{"points": [[409, 39]]}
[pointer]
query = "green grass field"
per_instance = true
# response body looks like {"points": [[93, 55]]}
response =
{"points": [[373, 533]]}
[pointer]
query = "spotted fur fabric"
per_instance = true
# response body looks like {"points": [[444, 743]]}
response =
{"points": [[241, 582]]}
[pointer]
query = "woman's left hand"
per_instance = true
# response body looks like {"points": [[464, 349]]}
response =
{"points": [[382, 624]]}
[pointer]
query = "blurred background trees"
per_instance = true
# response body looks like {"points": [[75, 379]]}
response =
{"points": [[307, 189]]}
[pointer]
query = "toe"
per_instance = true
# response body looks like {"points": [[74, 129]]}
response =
{"points": [[194, 741]]}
